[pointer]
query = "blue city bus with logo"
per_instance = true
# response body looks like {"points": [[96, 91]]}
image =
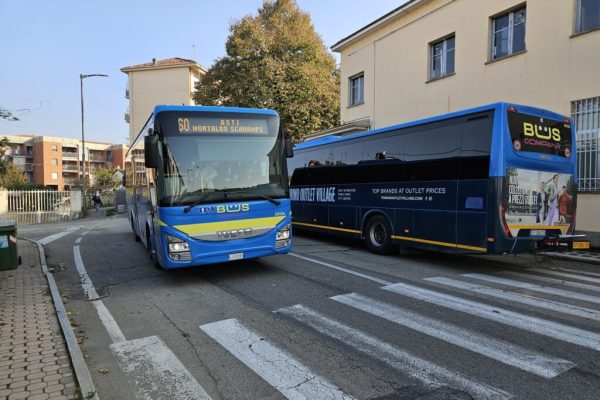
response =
{"points": [[210, 185], [495, 179]]}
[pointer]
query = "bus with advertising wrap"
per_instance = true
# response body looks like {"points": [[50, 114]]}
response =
{"points": [[213, 186], [495, 179]]}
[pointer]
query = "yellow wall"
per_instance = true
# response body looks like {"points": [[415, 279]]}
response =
{"points": [[555, 70]]}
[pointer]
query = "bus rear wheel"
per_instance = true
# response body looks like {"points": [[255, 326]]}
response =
{"points": [[378, 235]]}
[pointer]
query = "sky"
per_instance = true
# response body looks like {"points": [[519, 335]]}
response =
{"points": [[45, 45]]}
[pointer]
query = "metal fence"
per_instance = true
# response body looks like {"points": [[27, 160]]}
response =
{"points": [[38, 206], [586, 114]]}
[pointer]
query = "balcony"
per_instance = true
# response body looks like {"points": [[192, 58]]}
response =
{"points": [[98, 158], [70, 168], [72, 181], [69, 155]]}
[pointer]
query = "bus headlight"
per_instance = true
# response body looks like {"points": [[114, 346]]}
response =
{"points": [[179, 250], [282, 239]]}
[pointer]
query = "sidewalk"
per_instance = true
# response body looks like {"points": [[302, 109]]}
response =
{"points": [[34, 363]]}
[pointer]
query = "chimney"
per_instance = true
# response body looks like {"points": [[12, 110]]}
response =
{"points": [[154, 61]]}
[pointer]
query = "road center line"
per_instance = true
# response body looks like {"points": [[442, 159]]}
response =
{"points": [[348, 271]]}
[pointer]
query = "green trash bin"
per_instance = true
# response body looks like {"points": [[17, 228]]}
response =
{"points": [[8, 245]]}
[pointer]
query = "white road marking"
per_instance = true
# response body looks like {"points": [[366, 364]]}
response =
{"points": [[565, 275], [540, 326], [86, 282], [279, 369], [156, 371], [552, 281], [348, 271], [578, 271], [424, 371], [56, 236], [551, 305], [535, 287], [505, 352]]}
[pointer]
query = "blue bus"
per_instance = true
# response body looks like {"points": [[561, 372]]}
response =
{"points": [[210, 185], [495, 179]]}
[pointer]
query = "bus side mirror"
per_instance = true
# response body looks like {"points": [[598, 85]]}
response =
{"points": [[289, 148], [151, 151]]}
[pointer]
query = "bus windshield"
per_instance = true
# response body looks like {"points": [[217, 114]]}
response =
{"points": [[208, 160]]}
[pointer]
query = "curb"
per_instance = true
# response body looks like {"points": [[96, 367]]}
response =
{"points": [[591, 259], [81, 370]]}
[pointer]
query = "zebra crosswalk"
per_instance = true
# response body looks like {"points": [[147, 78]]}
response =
{"points": [[530, 307]]}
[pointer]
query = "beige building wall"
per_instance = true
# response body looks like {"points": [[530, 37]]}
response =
{"points": [[558, 66], [168, 81]]}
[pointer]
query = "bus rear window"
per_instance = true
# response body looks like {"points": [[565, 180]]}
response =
{"points": [[539, 135]]}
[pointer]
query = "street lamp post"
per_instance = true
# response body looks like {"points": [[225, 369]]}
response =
{"points": [[83, 184]]}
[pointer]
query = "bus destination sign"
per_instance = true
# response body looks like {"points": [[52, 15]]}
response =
{"points": [[239, 126]]}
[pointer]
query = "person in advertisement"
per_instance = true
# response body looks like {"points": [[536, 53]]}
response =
{"points": [[564, 201], [540, 215], [552, 217]]}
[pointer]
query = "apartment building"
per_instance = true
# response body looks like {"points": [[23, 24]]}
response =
{"points": [[170, 81], [57, 162], [430, 57]]}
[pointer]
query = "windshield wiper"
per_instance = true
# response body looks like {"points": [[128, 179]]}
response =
{"points": [[225, 193]]}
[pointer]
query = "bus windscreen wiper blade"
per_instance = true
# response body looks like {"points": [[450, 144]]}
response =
{"points": [[199, 201]]}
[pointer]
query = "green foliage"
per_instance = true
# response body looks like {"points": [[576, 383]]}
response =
{"points": [[12, 178], [277, 60], [105, 179]]}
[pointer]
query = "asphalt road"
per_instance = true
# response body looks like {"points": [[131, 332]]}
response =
{"points": [[332, 321]]}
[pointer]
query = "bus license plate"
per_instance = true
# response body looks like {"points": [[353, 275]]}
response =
{"points": [[581, 245], [537, 232], [236, 256]]}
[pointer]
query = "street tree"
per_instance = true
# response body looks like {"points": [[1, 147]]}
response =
{"points": [[7, 115], [106, 179], [13, 178], [276, 60]]}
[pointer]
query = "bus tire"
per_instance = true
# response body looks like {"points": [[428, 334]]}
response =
{"points": [[152, 255], [378, 235], [135, 235]]}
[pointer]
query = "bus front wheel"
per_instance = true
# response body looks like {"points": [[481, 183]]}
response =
{"points": [[378, 235], [135, 235]]}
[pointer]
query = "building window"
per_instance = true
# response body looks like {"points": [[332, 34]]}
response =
{"points": [[357, 90], [54, 176], [588, 15], [54, 147], [54, 161], [508, 33], [441, 54], [586, 114]]}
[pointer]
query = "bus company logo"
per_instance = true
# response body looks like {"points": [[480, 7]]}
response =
{"points": [[207, 210], [541, 131], [233, 208]]}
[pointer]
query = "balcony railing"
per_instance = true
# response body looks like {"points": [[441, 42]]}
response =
{"points": [[70, 155], [70, 168], [97, 158]]}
